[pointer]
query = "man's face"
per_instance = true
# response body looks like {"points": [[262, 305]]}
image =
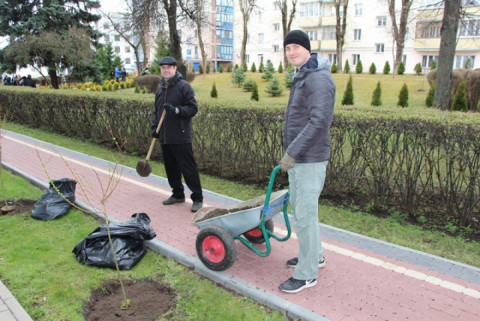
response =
{"points": [[168, 71], [297, 55]]}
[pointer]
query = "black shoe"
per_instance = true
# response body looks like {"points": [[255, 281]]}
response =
{"points": [[293, 285], [293, 262], [172, 200], [196, 206]]}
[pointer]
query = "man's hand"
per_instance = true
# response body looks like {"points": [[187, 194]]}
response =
{"points": [[170, 109], [155, 134], [286, 162]]}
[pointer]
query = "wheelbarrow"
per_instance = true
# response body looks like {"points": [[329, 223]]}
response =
{"points": [[249, 222]]}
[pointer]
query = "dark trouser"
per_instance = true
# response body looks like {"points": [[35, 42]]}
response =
{"points": [[178, 160]]}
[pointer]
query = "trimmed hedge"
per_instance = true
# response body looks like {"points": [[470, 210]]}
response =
{"points": [[418, 161]]}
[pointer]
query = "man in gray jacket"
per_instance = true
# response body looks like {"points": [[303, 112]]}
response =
{"points": [[306, 139]]}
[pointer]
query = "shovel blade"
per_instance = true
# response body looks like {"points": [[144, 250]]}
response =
{"points": [[143, 168]]}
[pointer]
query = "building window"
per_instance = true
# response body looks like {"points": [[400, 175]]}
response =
{"points": [[358, 9], [128, 61], [276, 48], [379, 47], [469, 28], [332, 58], [260, 38], [117, 38], [117, 49], [311, 9], [355, 58], [107, 38], [429, 30], [357, 34], [276, 27], [247, 58], [329, 33], [333, 11], [260, 59], [427, 61], [277, 5], [312, 35], [467, 62], [381, 21], [127, 49], [106, 26]]}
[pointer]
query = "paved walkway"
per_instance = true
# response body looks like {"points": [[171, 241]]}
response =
{"points": [[365, 279]]}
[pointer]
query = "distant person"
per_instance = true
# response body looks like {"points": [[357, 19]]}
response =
{"points": [[117, 74], [28, 81], [146, 70], [176, 97], [123, 74], [306, 140]]}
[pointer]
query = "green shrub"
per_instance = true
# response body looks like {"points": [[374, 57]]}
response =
{"points": [[433, 65], [334, 69], [430, 96], [346, 70], [261, 67], [401, 68], [359, 67], [373, 69], [248, 85], [254, 95], [214, 92], [288, 80], [238, 77], [220, 69], [418, 69], [244, 66], [280, 68], [377, 96], [229, 68], [253, 68], [267, 75], [460, 102], [274, 88], [386, 68], [150, 82], [207, 68], [403, 96], [348, 94]]}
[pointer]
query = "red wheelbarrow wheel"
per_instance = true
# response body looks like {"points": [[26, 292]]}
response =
{"points": [[216, 248], [255, 235]]}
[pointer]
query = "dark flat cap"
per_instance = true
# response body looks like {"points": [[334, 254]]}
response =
{"points": [[168, 61]]}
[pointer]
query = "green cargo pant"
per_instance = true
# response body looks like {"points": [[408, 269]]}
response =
{"points": [[306, 183]]}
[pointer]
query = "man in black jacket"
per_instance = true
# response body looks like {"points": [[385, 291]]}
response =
{"points": [[177, 98]]}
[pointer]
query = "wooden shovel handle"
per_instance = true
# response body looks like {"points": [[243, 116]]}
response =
{"points": [[152, 144]]}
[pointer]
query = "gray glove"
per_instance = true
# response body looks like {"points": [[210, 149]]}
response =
{"points": [[286, 162]]}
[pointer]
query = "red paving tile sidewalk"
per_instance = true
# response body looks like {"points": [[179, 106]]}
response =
{"points": [[378, 281]]}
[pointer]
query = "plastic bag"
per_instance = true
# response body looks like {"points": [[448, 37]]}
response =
{"points": [[128, 242], [51, 205]]}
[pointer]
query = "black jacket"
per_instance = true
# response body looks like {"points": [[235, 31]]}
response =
{"points": [[176, 129]]}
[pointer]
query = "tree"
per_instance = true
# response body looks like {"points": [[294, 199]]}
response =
{"points": [[340, 28], [401, 68], [386, 68], [347, 67], [163, 49], [448, 44], [246, 8], [348, 94], [214, 92], [274, 87], [460, 102], [170, 7], [65, 18], [403, 96], [359, 67], [254, 95], [287, 19], [373, 69], [195, 11], [399, 30], [105, 57], [430, 95], [377, 96], [418, 69]]}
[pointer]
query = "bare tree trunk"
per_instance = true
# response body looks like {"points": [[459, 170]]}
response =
{"points": [[340, 28], [246, 8], [175, 43], [287, 20], [448, 44], [400, 30], [52, 72]]}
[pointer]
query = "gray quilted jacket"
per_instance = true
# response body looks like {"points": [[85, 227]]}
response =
{"points": [[309, 114]]}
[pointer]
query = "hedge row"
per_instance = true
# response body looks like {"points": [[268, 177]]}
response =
{"points": [[423, 163]]}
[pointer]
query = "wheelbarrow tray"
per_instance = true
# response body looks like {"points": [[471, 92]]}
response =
{"points": [[242, 217]]}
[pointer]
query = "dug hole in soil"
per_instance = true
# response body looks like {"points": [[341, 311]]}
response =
{"points": [[149, 299]]}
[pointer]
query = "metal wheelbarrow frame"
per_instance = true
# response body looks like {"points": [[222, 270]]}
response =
{"points": [[248, 222]]}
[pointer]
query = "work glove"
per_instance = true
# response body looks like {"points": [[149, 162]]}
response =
{"points": [[155, 134], [286, 162], [170, 109]]}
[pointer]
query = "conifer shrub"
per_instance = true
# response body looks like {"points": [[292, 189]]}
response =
{"points": [[253, 68], [346, 70], [359, 67], [401, 68], [433, 65], [261, 67], [238, 77], [200, 69], [288, 80], [244, 66], [254, 95], [214, 92], [373, 69], [348, 94], [377, 96], [430, 96], [418, 69], [403, 96], [460, 102], [280, 68], [220, 69], [274, 87], [248, 85], [334, 68], [229, 68], [386, 68]]}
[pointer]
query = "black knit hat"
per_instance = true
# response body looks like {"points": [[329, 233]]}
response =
{"points": [[297, 37], [168, 61]]}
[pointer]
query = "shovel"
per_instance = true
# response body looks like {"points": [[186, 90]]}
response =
{"points": [[143, 167]]}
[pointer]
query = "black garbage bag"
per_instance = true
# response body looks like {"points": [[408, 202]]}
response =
{"points": [[51, 205], [128, 242]]}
